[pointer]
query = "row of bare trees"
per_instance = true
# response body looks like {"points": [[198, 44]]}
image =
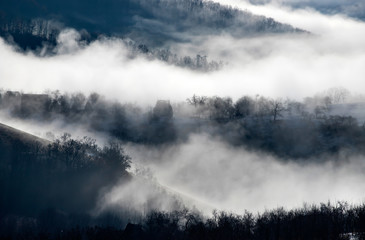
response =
{"points": [[326, 221], [220, 108]]}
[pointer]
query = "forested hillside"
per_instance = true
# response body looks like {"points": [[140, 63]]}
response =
{"points": [[148, 28], [138, 18]]}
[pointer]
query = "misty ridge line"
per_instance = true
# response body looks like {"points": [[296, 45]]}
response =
{"points": [[157, 21], [289, 129], [149, 28], [66, 40], [256, 53]]}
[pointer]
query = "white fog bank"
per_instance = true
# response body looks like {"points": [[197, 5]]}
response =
{"points": [[294, 66], [222, 177]]}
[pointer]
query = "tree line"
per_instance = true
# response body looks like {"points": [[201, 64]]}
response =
{"points": [[286, 128], [40, 36], [339, 221], [153, 22]]}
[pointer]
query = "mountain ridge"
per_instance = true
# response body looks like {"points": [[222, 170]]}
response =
{"points": [[155, 23]]}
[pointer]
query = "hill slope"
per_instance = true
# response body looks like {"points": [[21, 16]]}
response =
{"points": [[154, 22], [9, 136]]}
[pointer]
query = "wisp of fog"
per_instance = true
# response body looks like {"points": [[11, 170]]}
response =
{"points": [[214, 175]]}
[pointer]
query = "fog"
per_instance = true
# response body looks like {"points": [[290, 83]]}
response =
{"points": [[352, 8], [295, 65], [51, 130], [209, 175], [306, 18]]}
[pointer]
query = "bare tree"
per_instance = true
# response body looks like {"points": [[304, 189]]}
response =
{"points": [[197, 100], [337, 94], [277, 107]]}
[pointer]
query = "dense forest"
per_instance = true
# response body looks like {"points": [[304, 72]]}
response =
{"points": [[287, 128]]}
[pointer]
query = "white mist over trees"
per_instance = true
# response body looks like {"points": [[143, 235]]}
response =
{"points": [[203, 118]]}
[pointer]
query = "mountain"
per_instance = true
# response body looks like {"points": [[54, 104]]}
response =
{"points": [[153, 22]]}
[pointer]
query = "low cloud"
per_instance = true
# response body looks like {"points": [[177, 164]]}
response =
{"points": [[140, 196], [219, 176], [294, 65]]}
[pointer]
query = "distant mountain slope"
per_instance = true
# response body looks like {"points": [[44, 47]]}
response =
{"points": [[154, 22]]}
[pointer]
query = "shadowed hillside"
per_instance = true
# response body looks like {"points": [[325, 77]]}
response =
{"points": [[66, 174], [12, 141], [9, 136], [155, 23]]}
